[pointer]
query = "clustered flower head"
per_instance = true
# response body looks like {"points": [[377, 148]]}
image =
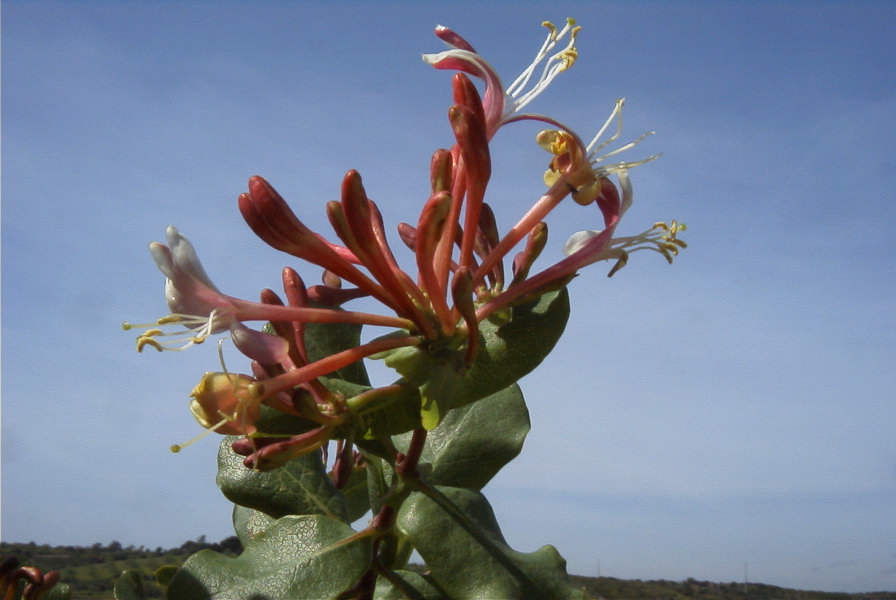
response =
{"points": [[436, 313]]}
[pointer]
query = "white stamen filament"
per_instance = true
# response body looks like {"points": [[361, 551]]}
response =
{"points": [[196, 329], [593, 150], [553, 65], [661, 238], [617, 115], [225, 419]]}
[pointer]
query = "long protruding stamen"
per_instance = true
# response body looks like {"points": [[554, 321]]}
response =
{"points": [[195, 330], [662, 238], [554, 64], [615, 115], [224, 420]]}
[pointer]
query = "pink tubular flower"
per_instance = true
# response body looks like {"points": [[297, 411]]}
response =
{"points": [[202, 310], [500, 105], [439, 312], [577, 170]]}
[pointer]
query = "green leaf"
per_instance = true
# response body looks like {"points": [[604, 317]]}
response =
{"points": [[273, 422], [475, 441], [407, 586], [325, 339], [129, 586], [355, 493], [465, 567], [248, 523], [300, 487], [507, 352], [514, 349], [304, 557], [391, 414], [377, 486]]}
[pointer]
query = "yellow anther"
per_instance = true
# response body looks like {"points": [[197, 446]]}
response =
{"points": [[620, 262], [568, 57], [169, 319], [588, 193], [145, 340], [553, 141], [193, 330]]}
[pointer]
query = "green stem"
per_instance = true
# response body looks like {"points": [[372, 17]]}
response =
{"points": [[384, 520]]}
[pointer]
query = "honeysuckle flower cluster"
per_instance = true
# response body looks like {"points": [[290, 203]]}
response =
{"points": [[435, 315]]}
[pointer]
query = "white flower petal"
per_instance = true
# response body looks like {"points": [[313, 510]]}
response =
{"points": [[578, 240], [185, 257], [163, 259]]}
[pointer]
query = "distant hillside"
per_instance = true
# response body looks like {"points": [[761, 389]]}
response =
{"points": [[691, 589], [92, 570]]}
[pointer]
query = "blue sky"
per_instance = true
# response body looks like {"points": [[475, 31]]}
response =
{"points": [[734, 409]]}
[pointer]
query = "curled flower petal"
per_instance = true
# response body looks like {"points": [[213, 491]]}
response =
{"points": [[185, 257], [452, 38], [188, 289], [471, 63], [499, 104]]}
